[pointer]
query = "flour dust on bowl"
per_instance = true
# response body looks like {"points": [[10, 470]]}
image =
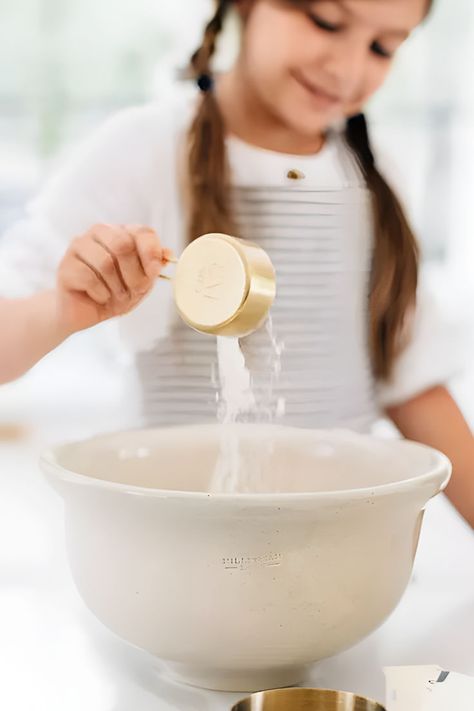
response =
{"points": [[243, 592]]}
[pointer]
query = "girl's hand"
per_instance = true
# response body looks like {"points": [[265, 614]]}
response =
{"points": [[107, 272]]}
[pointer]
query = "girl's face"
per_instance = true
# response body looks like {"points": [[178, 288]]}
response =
{"points": [[310, 63]]}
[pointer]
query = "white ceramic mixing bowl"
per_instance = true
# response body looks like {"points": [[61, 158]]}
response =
{"points": [[243, 592]]}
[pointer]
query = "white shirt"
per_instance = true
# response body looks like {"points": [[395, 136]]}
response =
{"points": [[317, 230]]}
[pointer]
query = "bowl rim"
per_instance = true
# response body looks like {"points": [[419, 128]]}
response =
{"points": [[296, 689], [440, 472]]}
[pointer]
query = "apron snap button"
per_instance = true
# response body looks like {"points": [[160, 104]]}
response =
{"points": [[295, 175]]}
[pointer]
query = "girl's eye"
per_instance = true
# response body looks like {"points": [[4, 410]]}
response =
{"points": [[377, 49], [322, 24]]}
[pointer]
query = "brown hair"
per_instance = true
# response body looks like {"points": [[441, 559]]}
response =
{"points": [[395, 257]]}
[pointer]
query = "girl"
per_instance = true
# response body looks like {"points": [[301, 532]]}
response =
{"points": [[275, 150]]}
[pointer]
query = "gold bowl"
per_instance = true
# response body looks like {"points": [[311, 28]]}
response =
{"points": [[306, 700]]}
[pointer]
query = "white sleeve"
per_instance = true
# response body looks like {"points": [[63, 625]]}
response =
{"points": [[101, 182], [435, 352]]}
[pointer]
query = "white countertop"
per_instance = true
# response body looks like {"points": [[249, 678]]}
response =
{"points": [[54, 655]]}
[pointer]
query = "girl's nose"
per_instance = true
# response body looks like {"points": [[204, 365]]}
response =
{"points": [[344, 68]]}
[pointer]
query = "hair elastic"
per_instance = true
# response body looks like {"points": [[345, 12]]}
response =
{"points": [[205, 82]]}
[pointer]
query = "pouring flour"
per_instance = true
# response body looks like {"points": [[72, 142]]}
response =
{"points": [[238, 468]]}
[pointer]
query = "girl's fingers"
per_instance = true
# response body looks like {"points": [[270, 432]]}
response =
{"points": [[168, 255], [113, 263], [77, 275], [121, 246], [102, 263], [149, 249]]}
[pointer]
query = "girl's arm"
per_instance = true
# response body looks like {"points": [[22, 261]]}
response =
{"points": [[30, 330], [433, 418], [105, 273]]}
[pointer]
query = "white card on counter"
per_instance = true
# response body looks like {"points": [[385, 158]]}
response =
{"points": [[427, 688], [451, 691], [406, 686]]}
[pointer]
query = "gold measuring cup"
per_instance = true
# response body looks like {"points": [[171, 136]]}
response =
{"points": [[306, 700], [223, 285]]}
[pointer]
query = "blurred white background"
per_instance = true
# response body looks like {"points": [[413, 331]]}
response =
{"points": [[72, 64]]}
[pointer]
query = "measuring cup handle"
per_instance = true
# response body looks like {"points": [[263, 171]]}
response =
{"points": [[173, 260]]}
